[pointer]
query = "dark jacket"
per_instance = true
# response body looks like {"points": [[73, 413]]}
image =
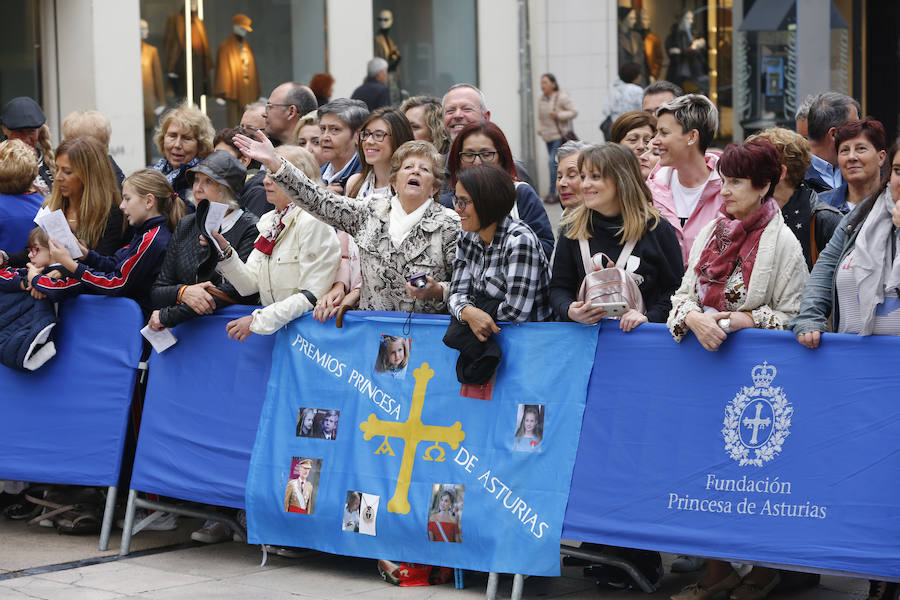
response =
{"points": [[182, 267], [253, 198], [799, 212], [130, 271], [374, 93], [531, 211], [837, 198], [814, 180], [660, 265], [26, 327]]}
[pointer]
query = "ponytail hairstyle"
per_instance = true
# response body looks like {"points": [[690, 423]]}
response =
{"points": [[169, 205], [46, 148]]}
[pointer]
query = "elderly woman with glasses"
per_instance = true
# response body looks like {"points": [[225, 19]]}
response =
{"points": [[484, 143], [400, 238]]}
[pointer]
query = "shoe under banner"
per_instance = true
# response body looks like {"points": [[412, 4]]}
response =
{"points": [[369, 446]]}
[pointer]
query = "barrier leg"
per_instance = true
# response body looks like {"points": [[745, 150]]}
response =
{"points": [[108, 513], [491, 591], [518, 586], [125, 546]]}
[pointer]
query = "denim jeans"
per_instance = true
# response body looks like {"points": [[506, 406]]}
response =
{"points": [[552, 147]]}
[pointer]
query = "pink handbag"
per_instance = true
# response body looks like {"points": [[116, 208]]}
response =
{"points": [[609, 284]]}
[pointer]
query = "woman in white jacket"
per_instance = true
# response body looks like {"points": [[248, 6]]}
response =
{"points": [[293, 263]]}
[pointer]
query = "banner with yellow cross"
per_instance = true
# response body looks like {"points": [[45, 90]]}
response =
{"points": [[369, 446]]}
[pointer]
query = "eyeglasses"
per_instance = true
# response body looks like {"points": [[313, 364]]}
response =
{"points": [[270, 105], [484, 155], [378, 135], [461, 203], [34, 249]]}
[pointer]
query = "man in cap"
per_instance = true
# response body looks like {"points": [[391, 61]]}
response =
{"points": [[22, 119]]}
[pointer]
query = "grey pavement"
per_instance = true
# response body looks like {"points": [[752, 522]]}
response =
{"points": [[38, 563]]}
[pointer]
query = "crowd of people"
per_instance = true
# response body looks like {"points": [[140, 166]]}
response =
{"points": [[423, 208]]}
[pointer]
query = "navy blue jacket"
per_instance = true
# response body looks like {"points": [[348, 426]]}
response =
{"points": [[130, 272], [26, 324]]}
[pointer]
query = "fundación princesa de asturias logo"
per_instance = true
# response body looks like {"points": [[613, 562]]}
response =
{"points": [[757, 420]]}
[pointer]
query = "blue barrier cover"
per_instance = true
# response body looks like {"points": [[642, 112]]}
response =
{"points": [[65, 422], [763, 451], [201, 410], [405, 434]]}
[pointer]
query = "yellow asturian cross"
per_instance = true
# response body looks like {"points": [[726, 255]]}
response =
{"points": [[412, 431]]}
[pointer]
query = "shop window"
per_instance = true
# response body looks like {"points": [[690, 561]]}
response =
{"points": [[20, 73], [262, 43], [429, 45], [688, 43]]}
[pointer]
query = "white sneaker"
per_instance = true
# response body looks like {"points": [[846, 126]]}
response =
{"points": [[164, 522], [212, 532]]}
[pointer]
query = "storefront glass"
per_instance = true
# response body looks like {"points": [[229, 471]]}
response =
{"points": [[20, 73], [688, 43], [284, 40], [434, 44]]}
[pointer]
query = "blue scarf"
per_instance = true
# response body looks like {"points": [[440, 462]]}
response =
{"points": [[171, 173]]}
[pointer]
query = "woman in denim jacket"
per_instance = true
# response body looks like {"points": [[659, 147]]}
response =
{"points": [[856, 279]]}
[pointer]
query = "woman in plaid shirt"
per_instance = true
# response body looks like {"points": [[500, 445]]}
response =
{"points": [[500, 273]]}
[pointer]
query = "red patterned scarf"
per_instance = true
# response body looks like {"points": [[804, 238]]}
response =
{"points": [[733, 242], [266, 240]]}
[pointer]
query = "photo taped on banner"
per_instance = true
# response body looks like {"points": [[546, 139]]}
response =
{"points": [[445, 513], [393, 356], [302, 486], [321, 423]]}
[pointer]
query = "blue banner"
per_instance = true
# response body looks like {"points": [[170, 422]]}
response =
{"points": [[65, 422], [369, 446], [201, 409], [764, 451]]}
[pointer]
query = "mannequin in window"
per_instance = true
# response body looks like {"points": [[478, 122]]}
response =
{"points": [[652, 47], [386, 48], [631, 42], [236, 77], [686, 55], [151, 75], [175, 57]]}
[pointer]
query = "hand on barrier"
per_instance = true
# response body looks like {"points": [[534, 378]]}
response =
{"points": [[632, 319], [706, 327], [582, 312], [328, 305], [239, 329], [200, 301], [481, 323], [810, 339]]}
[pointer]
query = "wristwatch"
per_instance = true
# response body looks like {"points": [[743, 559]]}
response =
{"points": [[725, 324]]}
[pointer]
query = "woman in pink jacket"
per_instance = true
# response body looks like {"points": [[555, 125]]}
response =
{"points": [[685, 184]]}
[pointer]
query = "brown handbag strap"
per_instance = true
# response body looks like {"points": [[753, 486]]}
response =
{"points": [[217, 293]]}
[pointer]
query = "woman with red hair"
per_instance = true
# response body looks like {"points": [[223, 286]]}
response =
{"points": [[861, 149], [746, 269], [481, 143]]}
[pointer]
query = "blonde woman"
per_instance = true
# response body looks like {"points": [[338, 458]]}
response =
{"points": [[306, 135], [426, 118], [19, 201], [616, 210], [85, 189], [185, 137]]}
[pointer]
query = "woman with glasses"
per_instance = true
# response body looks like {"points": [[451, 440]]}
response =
{"points": [[634, 130], [385, 130], [500, 274], [399, 238], [184, 138], [482, 143]]}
